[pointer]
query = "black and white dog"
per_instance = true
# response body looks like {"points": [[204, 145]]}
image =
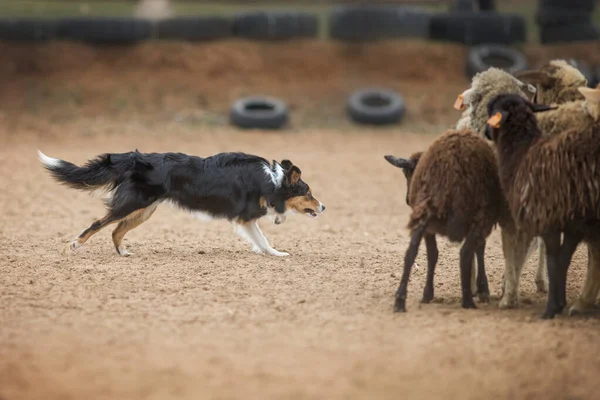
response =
{"points": [[239, 187]]}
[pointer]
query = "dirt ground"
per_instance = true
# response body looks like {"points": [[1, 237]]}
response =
{"points": [[195, 314]]}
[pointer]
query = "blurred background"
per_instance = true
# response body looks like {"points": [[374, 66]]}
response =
{"points": [[189, 61]]}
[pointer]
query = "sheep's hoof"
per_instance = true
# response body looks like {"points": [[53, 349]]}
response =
{"points": [[548, 315], [484, 297], [541, 286], [582, 308], [469, 304], [400, 305], [508, 302], [426, 299]]}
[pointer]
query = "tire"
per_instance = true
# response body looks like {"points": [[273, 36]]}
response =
{"points": [[487, 5], [194, 28], [479, 28], [559, 16], [482, 57], [105, 30], [27, 30], [462, 5], [585, 5], [376, 106], [365, 23], [568, 33], [260, 112], [275, 25]]}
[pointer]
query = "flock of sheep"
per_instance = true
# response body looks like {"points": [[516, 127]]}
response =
{"points": [[536, 176]]}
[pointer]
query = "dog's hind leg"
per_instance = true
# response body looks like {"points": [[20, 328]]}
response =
{"points": [[128, 223], [89, 232], [251, 232]]}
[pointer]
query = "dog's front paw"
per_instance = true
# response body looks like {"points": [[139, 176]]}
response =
{"points": [[123, 252], [279, 219], [257, 250], [279, 253], [70, 247]]}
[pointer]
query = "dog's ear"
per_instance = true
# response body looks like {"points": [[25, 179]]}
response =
{"points": [[286, 164], [293, 175], [404, 163]]}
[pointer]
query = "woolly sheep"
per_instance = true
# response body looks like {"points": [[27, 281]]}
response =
{"points": [[451, 193], [557, 86], [557, 82], [531, 166]]}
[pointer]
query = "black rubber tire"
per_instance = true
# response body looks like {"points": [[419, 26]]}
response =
{"points": [[261, 112], [585, 70], [194, 28], [568, 33], [389, 110], [276, 25], [487, 5], [105, 30], [585, 5], [482, 57], [364, 23], [462, 5], [560, 16], [479, 28], [27, 29]]}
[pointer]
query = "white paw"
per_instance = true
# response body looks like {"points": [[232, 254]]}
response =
{"points": [[123, 252], [71, 247], [257, 250], [279, 253]]}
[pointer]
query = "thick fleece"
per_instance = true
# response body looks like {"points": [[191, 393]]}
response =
{"points": [[456, 187], [485, 86], [557, 82]]}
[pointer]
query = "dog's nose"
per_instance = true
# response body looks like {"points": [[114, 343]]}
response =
{"points": [[322, 207]]}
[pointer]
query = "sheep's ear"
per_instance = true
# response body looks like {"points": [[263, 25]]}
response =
{"points": [[405, 164], [496, 120], [535, 77], [541, 107], [590, 94]]}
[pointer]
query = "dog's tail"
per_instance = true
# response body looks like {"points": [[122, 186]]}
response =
{"points": [[97, 174]]}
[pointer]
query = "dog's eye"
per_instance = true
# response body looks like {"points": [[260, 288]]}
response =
{"points": [[309, 196], [272, 204]]}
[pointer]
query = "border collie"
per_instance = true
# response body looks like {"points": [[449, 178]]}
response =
{"points": [[239, 187]]}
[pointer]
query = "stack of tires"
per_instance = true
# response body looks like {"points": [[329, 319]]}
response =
{"points": [[566, 21]]}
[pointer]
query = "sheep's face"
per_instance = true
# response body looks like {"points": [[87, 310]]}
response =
{"points": [[592, 101], [513, 114], [557, 82], [408, 166]]}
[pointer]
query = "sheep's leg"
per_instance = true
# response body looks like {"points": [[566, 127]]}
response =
{"points": [[552, 242], [541, 276], [474, 277], [483, 289], [569, 245], [432, 257], [409, 259], [586, 302], [467, 252], [515, 246]]}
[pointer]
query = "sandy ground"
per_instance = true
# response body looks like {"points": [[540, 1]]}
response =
{"points": [[195, 314]]}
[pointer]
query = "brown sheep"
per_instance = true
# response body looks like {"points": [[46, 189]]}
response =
{"points": [[557, 82], [532, 166], [452, 193], [561, 82]]}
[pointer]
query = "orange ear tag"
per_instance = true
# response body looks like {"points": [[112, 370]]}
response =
{"points": [[458, 104], [495, 120]]}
